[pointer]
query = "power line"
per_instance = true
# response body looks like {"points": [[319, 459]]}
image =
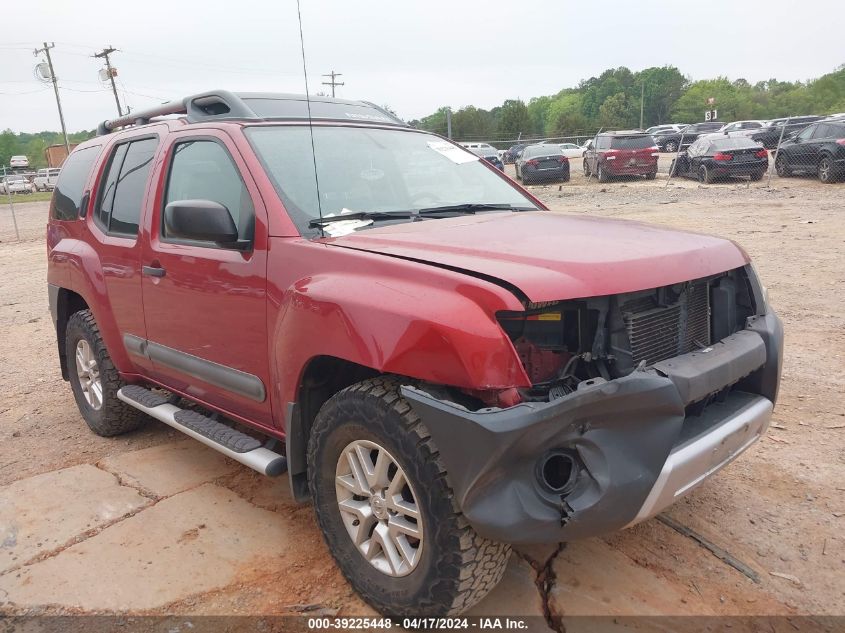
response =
{"points": [[46, 51], [104, 54], [333, 83]]}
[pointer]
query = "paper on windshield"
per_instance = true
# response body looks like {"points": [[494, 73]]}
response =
{"points": [[454, 153], [344, 227]]}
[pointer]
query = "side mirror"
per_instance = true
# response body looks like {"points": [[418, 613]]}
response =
{"points": [[202, 220]]}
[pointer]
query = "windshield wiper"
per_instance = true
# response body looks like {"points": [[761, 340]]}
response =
{"points": [[363, 215], [472, 208]]}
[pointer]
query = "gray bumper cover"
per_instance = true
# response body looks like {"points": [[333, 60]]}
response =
{"points": [[638, 450]]}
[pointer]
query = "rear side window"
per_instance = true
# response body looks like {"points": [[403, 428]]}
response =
{"points": [[203, 170], [122, 191], [632, 142], [71, 182]]}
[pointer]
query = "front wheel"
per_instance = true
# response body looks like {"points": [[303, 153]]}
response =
{"points": [[388, 514], [782, 169], [671, 147]]}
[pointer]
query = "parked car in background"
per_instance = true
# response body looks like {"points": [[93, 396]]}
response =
{"points": [[770, 134], [513, 151], [481, 146], [622, 154], [16, 184], [491, 156], [542, 162], [741, 128], [45, 179], [687, 136], [18, 161], [713, 157], [665, 128], [817, 149], [571, 150]]}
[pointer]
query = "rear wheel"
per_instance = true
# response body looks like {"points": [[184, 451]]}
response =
{"points": [[586, 168], [758, 175], [601, 174], [386, 509], [95, 380], [781, 167], [651, 176], [704, 175], [827, 170]]}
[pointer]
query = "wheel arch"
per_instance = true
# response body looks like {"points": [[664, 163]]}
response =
{"points": [[322, 377], [63, 304]]}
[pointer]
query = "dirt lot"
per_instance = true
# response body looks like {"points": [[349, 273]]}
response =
{"points": [[151, 523]]}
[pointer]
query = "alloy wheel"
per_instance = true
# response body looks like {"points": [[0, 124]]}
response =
{"points": [[825, 170], [89, 375], [379, 508]]}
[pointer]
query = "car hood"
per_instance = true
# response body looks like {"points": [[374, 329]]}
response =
{"points": [[552, 256]]}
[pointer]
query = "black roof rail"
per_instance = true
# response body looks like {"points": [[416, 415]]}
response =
{"points": [[223, 104]]}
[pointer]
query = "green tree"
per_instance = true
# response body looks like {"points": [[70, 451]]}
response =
{"points": [[513, 119], [615, 112]]}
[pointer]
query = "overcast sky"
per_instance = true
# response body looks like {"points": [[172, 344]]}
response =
{"points": [[411, 56]]}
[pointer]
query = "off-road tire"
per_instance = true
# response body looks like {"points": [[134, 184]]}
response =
{"points": [[457, 567], [114, 417]]}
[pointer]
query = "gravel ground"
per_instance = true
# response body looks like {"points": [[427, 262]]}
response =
{"points": [[779, 509]]}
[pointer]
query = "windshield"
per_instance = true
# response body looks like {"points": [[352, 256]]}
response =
{"points": [[373, 170]]}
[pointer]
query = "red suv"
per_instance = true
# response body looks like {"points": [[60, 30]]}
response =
{"points": [[621, 154], [441, 365]]}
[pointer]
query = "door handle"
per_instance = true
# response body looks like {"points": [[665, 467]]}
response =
{"points": [[153, 271]]}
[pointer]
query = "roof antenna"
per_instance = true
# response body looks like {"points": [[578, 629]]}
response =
{"points": [[310, 121]]}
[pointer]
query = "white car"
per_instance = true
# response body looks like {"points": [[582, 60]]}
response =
{"points": [[666, 128], [16, 184], [482, 146], [741, 128], [571, 150], [19, 161], [45, 179]]}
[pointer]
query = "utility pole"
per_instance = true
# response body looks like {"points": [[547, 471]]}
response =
{"points": [[449, 123], [111, 72], [46, 51], [333, 83], [642, 101]]}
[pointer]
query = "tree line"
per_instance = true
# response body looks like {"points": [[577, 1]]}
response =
{"points": [[33, 145], [612, 101]]}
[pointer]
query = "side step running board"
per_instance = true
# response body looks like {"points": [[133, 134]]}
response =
{"points": [[231, 442]]}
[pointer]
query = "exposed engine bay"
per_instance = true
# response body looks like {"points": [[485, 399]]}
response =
{"points": [[562, 344]]}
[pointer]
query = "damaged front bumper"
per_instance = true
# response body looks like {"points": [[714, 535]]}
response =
{"points": [[633, 442]]}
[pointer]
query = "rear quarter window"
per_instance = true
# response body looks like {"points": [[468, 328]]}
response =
{"points": [[71, 183]]}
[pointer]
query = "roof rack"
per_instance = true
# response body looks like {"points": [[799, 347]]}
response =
{"points": [[224, 105]]}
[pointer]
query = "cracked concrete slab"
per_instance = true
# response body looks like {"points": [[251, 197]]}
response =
{"points": [[592, 578], [193, 542], [45, 512], [170, 468]]}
